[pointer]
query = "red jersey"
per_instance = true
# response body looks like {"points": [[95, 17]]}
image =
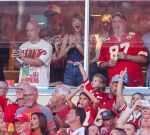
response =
{"points": [[95, 93], [105, 104], [131, 44], [9, 107], [63, 112]]}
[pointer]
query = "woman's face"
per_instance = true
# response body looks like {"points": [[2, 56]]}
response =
{"points": [[35, 122], [93, 130], [135, 98], [77, 25]]}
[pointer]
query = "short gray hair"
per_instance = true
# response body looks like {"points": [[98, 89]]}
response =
{"points": [[63, 89], [34, 88]]}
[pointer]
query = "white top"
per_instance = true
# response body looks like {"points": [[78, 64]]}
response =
{"points": [[38, 76]]}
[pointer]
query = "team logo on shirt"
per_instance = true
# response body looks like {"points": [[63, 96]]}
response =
{"points": [[129, 37], [131, 33]]}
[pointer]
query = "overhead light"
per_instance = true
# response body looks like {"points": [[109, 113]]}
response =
{"points": [[41, 23]]}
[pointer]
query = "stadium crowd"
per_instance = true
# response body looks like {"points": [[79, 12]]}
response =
{"points": [[121, 53]]}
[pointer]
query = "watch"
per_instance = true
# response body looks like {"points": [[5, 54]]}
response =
{"points": [[54, 113]]}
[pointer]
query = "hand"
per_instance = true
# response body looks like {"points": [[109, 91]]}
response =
{"points": [[77, 64], [52, 105], [122, 74], [71, 41], [122, 56], [63, 131], [17, 54], [112, 63], [137, 105], [81, 87]]}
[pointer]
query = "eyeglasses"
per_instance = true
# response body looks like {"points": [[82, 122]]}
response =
{"points": [[3, 88], [20, 89], [29, 95]]}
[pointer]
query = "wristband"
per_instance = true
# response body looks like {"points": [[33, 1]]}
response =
{"points": [[121, 80]]}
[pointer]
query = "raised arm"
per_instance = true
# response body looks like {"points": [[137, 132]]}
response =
{"points": [[81, 70], [123, 119], [119, 96], [68, 98], [93, 99]]}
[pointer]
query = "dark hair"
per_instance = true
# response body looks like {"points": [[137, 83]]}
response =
{"points": [[42, 121], [141, 95], [119, 14], [102, 79], [135, 127], [82, 93], [87, 129], [80, 112], [120, 131]]}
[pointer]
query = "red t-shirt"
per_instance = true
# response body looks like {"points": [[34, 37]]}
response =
{"points": [[9, 107], [63, 112], [105, 104], [131, 44]]}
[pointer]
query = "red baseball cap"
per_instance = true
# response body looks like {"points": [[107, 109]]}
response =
{"points": [[22, 118]]}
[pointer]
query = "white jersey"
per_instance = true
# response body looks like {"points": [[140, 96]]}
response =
{"points": [[38, 76], [79, 131]]}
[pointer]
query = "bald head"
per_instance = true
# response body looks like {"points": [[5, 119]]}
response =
{"points": [[33, 31]]}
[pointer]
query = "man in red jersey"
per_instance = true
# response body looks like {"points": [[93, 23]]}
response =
{"points": [[9, 107], [22, 123], [108, 101], [123, 49]]}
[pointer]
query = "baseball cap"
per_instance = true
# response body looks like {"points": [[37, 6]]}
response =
{"points": [[51, 10], [119, 14], [22, 118], [116, 78], [108, 114]]}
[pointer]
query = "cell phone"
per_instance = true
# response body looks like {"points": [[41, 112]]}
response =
{"points": [[16, 47], [145, 103]]}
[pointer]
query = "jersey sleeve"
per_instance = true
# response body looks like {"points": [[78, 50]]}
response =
{"points": [[87, 84], [50, 121], [140, 48]]}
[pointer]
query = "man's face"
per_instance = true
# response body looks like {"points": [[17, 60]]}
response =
{"points": [[32, 32], [21, 127], [145, 121], [113, 88], [118, 25], [53, 22], [20, 91], [129, 129], [56, 97], [71, 117], [109, 124], [30, 97], [3, 90]]}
